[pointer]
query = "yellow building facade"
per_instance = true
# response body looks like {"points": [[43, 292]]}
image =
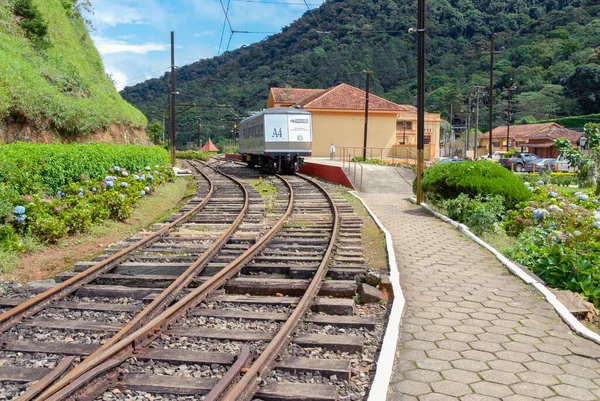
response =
{"points": [[339, 118]]}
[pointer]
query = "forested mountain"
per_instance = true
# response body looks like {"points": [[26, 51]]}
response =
{"points": [[549, 48]]}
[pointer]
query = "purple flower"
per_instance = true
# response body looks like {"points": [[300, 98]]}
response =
{"points": [[19, 210], [540, 213], [143, 193], [124, 184], [540, 182], [21, 218], [110, 184], [583, 197], [553, 194]]}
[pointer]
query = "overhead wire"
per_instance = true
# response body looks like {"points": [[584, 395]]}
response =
{"points": [[225, 22]]}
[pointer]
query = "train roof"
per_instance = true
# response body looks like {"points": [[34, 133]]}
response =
{"points": [[278, 110]]}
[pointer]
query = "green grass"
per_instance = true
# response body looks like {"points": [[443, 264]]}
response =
{"points": [[267, 190], [63, 85], [8, 261]]}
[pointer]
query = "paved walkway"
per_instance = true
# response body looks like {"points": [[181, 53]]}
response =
{"points": [[471, 331]]}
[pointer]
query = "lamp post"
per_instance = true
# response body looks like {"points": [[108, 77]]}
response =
{"points": [[420, 97], [491, 106]]}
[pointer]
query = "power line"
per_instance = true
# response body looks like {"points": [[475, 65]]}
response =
{"points": [[142, 76], [311, 13], [276, 2]]}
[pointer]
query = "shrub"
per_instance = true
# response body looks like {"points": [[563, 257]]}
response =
{"points": [[480, 214], [33, 22], [47, 228], [193, 155], [563, 179], [449, 180]]}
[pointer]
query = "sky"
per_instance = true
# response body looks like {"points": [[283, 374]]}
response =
{"points": [[133, 36]]}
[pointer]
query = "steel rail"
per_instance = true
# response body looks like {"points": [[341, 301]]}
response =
{"points": [[162, 301], [68, 386], [33, 305], [247, 386]]}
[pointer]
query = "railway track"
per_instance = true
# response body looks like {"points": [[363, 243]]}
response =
{"points": [[264, 312]]}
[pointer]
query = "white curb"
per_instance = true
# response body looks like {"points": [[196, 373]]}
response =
{"points": [[562, 311], [385, 363]]}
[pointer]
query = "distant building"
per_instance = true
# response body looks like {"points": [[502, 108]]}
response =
{"points": [[209, 146], [533, 138], [339, 118]]}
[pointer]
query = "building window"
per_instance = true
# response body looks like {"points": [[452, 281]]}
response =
{"points": [[404, 125], [427, 139], [521, 143], [496, 144]]}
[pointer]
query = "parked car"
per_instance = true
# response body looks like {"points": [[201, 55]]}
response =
{"points": [[518, 161], [539, 165], [562, 165]]}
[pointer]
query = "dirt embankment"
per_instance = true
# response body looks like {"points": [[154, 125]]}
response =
{"points": [[14, 131]]}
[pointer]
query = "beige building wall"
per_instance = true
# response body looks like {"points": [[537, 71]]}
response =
{"points": [[346, 129]]}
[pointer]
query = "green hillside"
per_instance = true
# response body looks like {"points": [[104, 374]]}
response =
{"points": [[51, 75], [549, 47]]}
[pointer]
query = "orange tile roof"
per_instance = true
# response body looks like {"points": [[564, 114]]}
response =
{"points": [[521, 131], [347, 97], [556, 132], [292, 95], [209, 147]]}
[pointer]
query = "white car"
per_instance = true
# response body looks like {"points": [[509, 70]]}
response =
{"points": [[495, 156], [562, 165]]}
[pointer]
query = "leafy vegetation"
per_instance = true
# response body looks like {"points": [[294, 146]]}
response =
{"points": [[449, 180], [193, 155], [50, 191], [51, 75], [548, 47], [588, 165], [480, 214]]}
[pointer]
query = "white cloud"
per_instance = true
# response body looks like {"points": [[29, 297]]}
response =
{"points": [[110, 46], [204, 33]]}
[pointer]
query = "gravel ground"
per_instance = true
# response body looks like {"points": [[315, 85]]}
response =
{"points": [[133, 365], [88, 316], [263, 326], [245, 307], [105, 300], [118, 395], [29, 359], [203, 344], [11, 390], [62, 336]]}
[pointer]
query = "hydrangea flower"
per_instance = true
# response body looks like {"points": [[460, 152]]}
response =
{"points": [[124, 184], [93, 189], [19, 210], [147, 168], [572, 206], [553, 208], [530, 188], [155, 172], [540, 182], [122, 196], [577, 233], [142, 177], [553, 194], [527, 184], [143, 193], [583, 197], [540, 213], [80, 190], [595, 201], [110, 183], [577, 193], [80, 193], [117, 168], [109, 178], [147, 189], [150, 177], [21, 218], [125, 173], [596, 224]]}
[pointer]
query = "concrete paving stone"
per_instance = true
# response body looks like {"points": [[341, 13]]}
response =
{"points": [[471, 304], [462, 309], [404, 337], [510, 316], [581, 394], [553, 349], [507, 366], [543, 367], [417, 321], [453, 345], [465, 328], [421, 375], [411, 387], [494, 338], [427, 315], [541, 319], [486, 346], [470, 365], [437, 397], [521, 338], [430, 336], [513, 356], [461, 376], [410, 328], [447, 322], [411, 355], [582, 361], [479, 355], [538, 378], [443, 354], [532, 390], [519, 347], [512, 324], [591, 352], [456, 315], [577, 381], [419, 345], [434, 364], [438, 328], [535, 324], [484, 316], [491, 389], [560, 398], [498, 376], [451, 388], [395, 396], [580, 371], [548, 358], [476, 322], [478, 397], [530, 331]]}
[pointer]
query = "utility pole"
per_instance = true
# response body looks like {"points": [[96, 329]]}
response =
{"points": [[491, 118], [510, 89], [173, 92], [420, 97], [366, 114], [199, 137], [478, 93], [451, 138], [467, 124]]}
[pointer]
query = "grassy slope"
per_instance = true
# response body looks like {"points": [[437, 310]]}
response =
{"points": [[65, 84]]}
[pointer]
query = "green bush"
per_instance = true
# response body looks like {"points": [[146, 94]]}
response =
{"points": [[32, 21], [47, 228], [193, 155], [563, 179], [449, 180], [480, 214]]}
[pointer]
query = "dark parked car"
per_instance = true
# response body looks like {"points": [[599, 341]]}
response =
{"points": [[518, 161], [540, 164]]}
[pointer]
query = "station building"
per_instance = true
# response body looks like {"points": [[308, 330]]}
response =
{"points": [[339, 118]]}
